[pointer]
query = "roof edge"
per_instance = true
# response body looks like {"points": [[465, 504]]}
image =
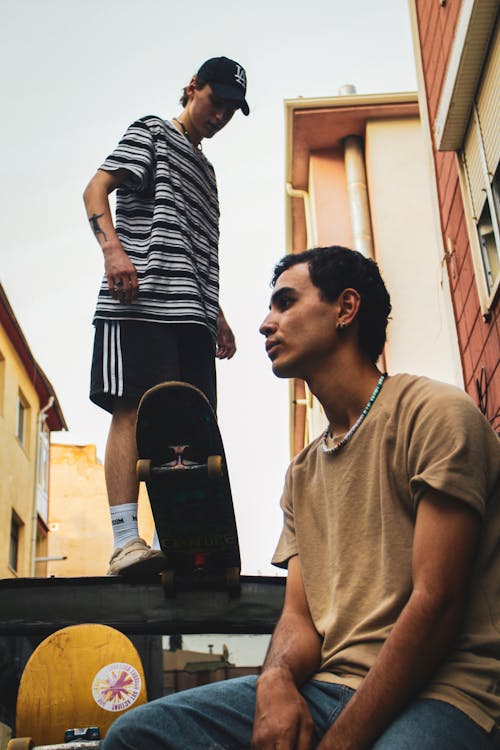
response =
{"points": [[475, 27], [351, 100], [41, 383]]}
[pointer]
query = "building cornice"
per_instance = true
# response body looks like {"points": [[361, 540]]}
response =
{"points": [[42, 385], [474, 29]]}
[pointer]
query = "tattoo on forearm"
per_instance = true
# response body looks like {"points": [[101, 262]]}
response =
{"points": [[94, 222]]}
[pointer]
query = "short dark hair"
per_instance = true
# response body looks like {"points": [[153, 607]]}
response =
{"points": [[333, 269], [199, 84]]}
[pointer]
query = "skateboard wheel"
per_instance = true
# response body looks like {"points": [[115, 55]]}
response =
{"points": [[168, 582], [143, 469], [20, 743], [233, 581], [214, 467]]}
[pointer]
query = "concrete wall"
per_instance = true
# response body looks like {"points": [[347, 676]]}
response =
{"points": [[421, 333], [327, 180], [79, 522], [17, 461]]}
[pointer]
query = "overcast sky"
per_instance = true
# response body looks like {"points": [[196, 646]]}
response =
{"points": [[75, 73]]}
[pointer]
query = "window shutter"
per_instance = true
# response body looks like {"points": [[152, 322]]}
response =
{"points": [[474, 168], [488, 105]]}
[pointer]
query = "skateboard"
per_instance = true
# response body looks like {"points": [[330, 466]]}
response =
{"points": [[182, 461], [74, 685]]}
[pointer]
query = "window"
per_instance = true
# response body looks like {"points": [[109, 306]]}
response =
{"points": [[42, 473], [488, 237], [484, 192], [22, 425], [41, 550], [480, 160], [15, 533]]}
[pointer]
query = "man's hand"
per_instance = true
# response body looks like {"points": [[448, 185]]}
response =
{"points": [[119, 269], [282, 718], [121, 274], [226, 344]]}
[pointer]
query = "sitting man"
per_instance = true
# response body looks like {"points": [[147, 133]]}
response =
{"points": [[390, 632]]}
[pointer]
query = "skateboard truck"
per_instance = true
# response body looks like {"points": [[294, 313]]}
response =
{"points": [[85, 738], [228, 581], [82, 734], [146, 469]]}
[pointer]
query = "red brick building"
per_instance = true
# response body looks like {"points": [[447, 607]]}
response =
{"points": [[457, 50]]}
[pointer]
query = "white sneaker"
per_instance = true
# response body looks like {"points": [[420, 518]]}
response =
{"points": [[136, 559]]}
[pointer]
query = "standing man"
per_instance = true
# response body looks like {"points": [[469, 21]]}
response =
{"points": [[158, 316], [390, 632]]}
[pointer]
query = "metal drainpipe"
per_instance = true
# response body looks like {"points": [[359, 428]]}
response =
{"points": [[298, 389], [41, 419], [296, 193], [357, 190]]}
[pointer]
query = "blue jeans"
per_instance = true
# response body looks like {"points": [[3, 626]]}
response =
{"points": [[219, 716]]}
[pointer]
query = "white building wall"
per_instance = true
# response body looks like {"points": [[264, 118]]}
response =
{"points": [[421, 335]]}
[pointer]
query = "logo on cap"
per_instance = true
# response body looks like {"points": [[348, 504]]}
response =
{"points": [[240, 76]]}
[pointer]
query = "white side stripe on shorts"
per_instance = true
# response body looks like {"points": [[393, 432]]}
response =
{"points": [[112, 359], [105, 378], [120, 359]]}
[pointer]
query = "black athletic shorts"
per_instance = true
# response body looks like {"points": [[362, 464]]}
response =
{"points": [[131, 356]]}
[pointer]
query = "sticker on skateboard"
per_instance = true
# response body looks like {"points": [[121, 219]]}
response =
{"points": [[116, 686]]}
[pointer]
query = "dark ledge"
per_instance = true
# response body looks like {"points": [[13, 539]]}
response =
{"points": [[39, 606]]}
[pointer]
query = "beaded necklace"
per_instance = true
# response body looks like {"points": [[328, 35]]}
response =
{"points": [[355, 426]]}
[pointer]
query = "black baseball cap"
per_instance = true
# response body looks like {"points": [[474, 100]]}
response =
{"points": [[227, 79]]}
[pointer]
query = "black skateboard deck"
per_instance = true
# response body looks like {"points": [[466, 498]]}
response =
{"points": [[182, 461]]}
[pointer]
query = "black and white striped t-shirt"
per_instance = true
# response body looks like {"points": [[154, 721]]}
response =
{"points": [[167, 219]]}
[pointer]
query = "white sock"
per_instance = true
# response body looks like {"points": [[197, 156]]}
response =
{"points": [[124, 523], [155, 544]]}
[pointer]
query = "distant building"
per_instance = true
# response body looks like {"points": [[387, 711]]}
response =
{"points": [[79, 521], [457, 51], [357, 174], [183, 669], [29, 411]]}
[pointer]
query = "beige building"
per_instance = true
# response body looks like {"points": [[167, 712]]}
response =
{"points": [[29, 411], [183, 669], [79, 522], [358, 174]]}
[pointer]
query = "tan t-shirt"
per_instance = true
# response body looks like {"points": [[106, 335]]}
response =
{"points": [[350, 517]]}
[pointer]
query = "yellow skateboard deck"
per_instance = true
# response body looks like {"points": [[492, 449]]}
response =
{"points": [[80, 676]]}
